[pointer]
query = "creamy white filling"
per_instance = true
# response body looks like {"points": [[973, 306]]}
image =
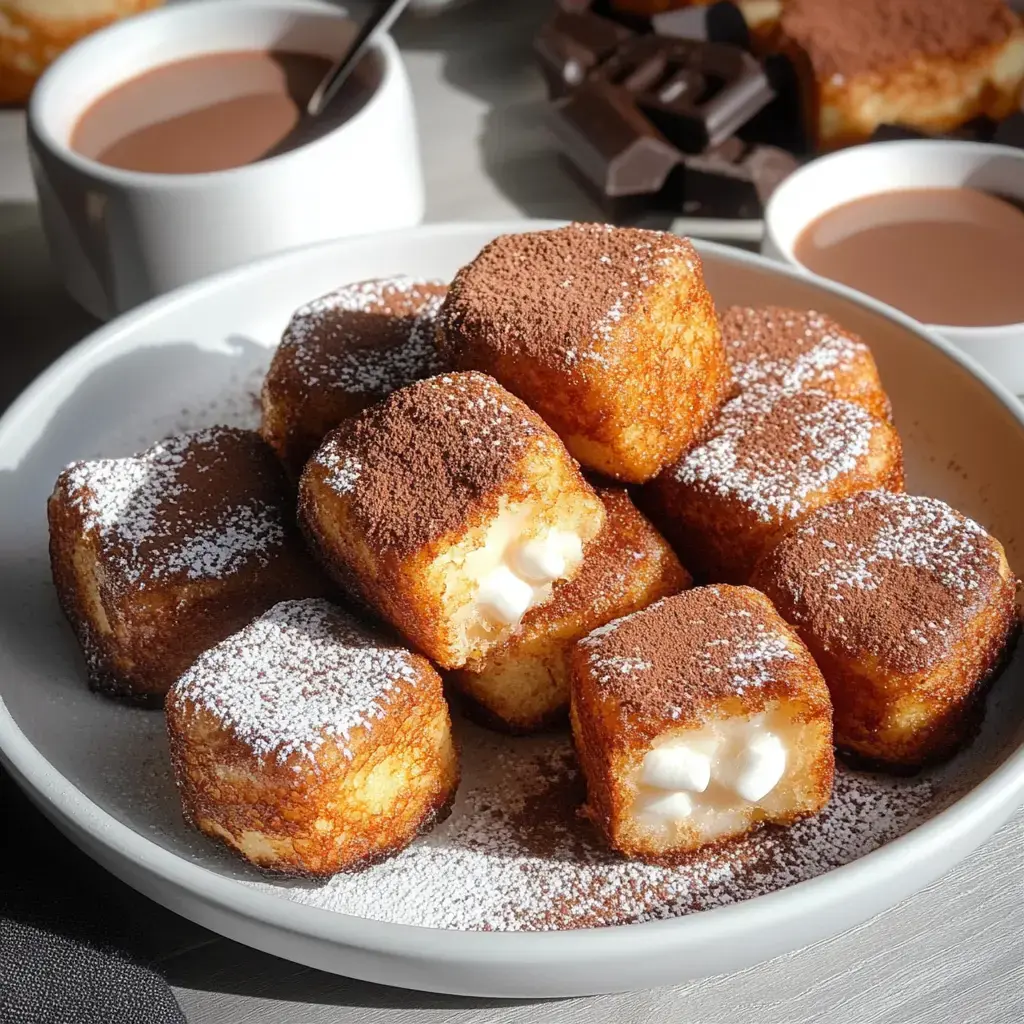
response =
{"points": [[710, 777], [514, 573]]}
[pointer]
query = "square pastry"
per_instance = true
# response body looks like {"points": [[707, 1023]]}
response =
{"points": [[772, 457], [926, 64], [158, 556], [450, 509], [523, 685], [609, 333], [908, 607], [309, 744], [697, 720], [343, 352], [801, 350]]}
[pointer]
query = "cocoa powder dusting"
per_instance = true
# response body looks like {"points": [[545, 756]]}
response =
{"points": [[557, 296], [413, 464], [841, 38], [368, 338], [771, 450], [889, 576], [788, 347], [699, 646]]}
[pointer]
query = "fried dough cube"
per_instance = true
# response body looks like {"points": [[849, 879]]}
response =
{"points": [[523, 685], [799, 350], [698, 720], [908, 608], [159, 556], [343, 352], [926, 64], [309, 745], [450, 509], [772, 458], [609, 333]]}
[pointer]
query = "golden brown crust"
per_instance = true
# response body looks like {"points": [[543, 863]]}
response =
{"points": [[908, 608], [856, 75], [140, 610], [800, 350], [341, 353], [29, 43], [767, 464], [619, 352], [427, 484], [523, 686], [660, 672], [342, 800]]}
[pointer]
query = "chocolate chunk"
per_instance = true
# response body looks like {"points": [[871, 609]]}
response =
{"points": [[733, 180], [613, 145], [697, 94], [781, 122], [572, 44], [713, 23]]}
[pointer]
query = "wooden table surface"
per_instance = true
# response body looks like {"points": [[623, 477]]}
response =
{"points": [[953, 953]]}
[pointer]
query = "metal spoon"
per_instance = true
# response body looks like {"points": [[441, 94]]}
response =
{"points": [[380, 21]]}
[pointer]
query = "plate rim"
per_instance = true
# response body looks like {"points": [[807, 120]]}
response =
{"points": [[991, 801]]}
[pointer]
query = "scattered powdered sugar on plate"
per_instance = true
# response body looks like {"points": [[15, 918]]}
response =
{"points": [[303, 672], [237, 404], [515, 856]]}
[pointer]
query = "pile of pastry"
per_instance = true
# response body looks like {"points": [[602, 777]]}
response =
{"points": [[444, 501]]}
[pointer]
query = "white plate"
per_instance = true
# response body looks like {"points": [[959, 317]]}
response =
{"points": [[100, 772]]}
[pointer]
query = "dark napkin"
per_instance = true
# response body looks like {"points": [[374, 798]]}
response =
{"points": [[76, 945]]}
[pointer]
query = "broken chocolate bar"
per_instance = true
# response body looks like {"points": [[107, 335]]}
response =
{"points": [[696, 94], [733, 180], [649, 122], [611, 143], [572, 44]]}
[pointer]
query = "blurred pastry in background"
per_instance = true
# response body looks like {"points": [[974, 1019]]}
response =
{"points": [[927, 64], [33, 33]]}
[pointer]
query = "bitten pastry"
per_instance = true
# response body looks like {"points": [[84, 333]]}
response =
{"points": [[697, 720], [310, 745], [926, 64], [609, 333], [450, 508], [343, 352], [773, 457], [799, 350], [523, 685], [908, 608], [161, 555]]}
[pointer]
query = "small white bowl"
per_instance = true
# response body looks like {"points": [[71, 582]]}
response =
{"points": [[121, 237], [883, 167]]}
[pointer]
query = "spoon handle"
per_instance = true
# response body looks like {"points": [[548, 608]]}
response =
{"points": [[379, 21]]}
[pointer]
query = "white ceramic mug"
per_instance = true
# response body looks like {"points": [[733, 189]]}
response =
{"points": [[882, 167], [120, 237]]}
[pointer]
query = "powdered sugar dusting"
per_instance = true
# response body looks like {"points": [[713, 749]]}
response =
{"points": [[326, 349], [301, 674], [788, 348], [771, 454], [151, 521], [918, 532], [514, 855]]}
